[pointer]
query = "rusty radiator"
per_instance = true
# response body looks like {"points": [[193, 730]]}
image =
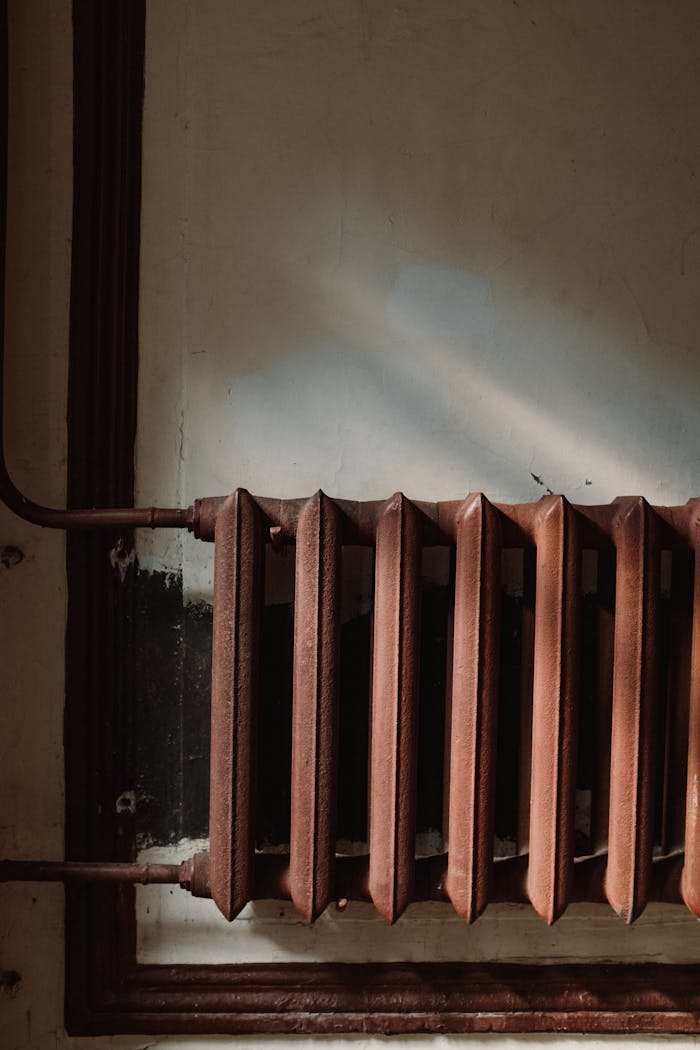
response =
{"points": [[644, 706], [647, 704]]}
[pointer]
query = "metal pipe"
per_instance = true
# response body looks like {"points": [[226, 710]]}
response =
{"points": [[86, 871], [19, 504], [191, 874], [272, 882]]}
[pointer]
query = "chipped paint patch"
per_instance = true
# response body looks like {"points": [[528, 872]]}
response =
{"points": [[126, 803], [121, 558]]}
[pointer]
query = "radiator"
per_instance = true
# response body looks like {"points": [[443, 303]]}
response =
{"points": [[647, 704]]}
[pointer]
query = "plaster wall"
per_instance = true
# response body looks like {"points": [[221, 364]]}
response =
{"points": [[438, 248], [432, 248]]}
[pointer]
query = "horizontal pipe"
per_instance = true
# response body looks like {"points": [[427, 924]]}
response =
{"points": [[439, 521], [86, 871], [191, 874], [351, 877], [360, 519], [90, 518]]}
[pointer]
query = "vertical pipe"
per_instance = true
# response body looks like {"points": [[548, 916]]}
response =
{"points": [[555, 709], [690, 879], [315, 706], [474, 708], [394, 717], [234, 701], [631, 824]]}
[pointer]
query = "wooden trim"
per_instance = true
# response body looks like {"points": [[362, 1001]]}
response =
{"points": [[393, 998], [109, 40], [106, 990]]}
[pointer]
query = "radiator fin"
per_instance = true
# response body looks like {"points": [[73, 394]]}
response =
{"points": [[632, 764], [640, 786], [315, 706], [474, 708], [555, 709], [234, 701], [394, 710]]}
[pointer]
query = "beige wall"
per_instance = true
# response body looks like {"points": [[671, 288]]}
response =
{"points": [[32, 594], [439, 247], [432, 247]]}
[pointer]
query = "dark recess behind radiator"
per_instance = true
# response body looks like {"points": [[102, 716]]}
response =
{"points": [[169, 716]]}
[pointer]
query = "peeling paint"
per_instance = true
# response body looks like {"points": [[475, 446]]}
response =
{"points": [[538, 481], [122, 558]]}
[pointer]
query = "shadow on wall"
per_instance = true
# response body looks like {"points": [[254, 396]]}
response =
{"points": [[433, 248]]}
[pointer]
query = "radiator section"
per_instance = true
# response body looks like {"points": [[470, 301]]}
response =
{"points": [[394, 711], [635, 689], [554, 709], [474, 708], [616, 821], [234, 702], [315, 706]]}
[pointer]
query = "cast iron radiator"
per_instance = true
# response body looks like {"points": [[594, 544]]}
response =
{"points": [[647, 704]]}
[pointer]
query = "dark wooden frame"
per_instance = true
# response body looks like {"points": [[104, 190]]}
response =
{"points": [[106, 990]]}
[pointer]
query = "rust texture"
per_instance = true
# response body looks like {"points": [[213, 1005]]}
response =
{"points": [[474, 708], [393, 746], [605, 646], [554, 713], [519, 521], [527, 666], [628, 537], [234, 701], [674, 723], [88, 871], [402, 998], [630, 833], [315, 706], [271, 877]]}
